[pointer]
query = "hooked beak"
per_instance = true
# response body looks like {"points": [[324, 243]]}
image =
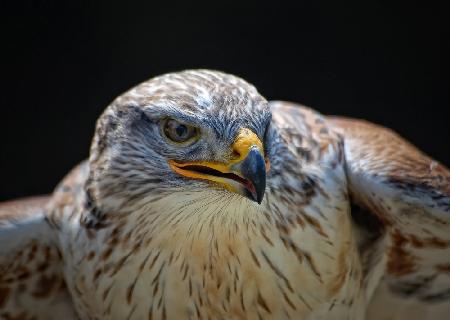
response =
{"points": [[244, 174]]}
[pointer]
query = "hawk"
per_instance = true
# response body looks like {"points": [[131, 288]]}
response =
{"points": [[201, 200]]}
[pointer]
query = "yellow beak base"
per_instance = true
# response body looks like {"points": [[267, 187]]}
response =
{"points": [[244, 173]]}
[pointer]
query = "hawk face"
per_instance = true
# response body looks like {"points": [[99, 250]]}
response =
{"points": [[189, 131]]}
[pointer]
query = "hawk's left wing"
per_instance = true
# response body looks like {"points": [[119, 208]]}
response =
{"points": [[405, 198], [31, 280]]}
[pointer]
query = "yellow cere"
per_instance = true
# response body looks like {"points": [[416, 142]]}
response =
{"points": [[245, 140]]}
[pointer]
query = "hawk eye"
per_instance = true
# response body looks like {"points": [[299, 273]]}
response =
{"points": [[179, 132]]}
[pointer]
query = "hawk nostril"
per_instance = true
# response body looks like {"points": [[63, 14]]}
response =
{"points": [[236, 154]]}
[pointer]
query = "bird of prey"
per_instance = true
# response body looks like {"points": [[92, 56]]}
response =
{"points": [[202, 200]]}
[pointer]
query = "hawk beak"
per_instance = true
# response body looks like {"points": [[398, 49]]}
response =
{"points": [[253, 170], [244, 173]]}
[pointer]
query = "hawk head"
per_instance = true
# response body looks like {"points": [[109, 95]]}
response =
{"points": [[189, 131]]}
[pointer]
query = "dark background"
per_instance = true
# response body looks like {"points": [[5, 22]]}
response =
{"points": [[63, 63]]}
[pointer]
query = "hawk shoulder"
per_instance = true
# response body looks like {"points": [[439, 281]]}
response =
{"points": [[407, 194], [31, 281]]}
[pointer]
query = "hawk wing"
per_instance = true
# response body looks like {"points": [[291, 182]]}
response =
{"points": [[402, 212], [31, 281]]}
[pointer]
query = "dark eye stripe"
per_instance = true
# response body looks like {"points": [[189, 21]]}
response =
{"points": [[179, 132]]}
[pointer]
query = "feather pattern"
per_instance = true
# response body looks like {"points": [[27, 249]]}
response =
{"points": [[352, 214], [409, 193]]}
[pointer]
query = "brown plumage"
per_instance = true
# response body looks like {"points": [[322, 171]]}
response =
{"points": [[201, 200]]}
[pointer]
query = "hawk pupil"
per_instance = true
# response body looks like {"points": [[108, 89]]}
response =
{"points": [[181, 130]]}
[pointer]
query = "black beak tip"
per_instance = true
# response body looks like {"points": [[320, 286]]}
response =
{"points": [[254, 169], [257, 197], [260, 196], [259, 200]]}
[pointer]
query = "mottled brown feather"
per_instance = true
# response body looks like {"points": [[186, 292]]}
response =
{"points": [[409, 193]]}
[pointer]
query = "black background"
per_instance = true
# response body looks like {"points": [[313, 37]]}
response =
{"points": [[63, 63]]}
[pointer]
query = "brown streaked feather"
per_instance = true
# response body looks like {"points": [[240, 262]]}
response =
{"points": [[31, 281], [409, 193], [136, 240], [68, 194], [400, 161]]}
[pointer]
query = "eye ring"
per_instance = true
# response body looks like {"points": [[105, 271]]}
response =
{"points": [[179, 132]]}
